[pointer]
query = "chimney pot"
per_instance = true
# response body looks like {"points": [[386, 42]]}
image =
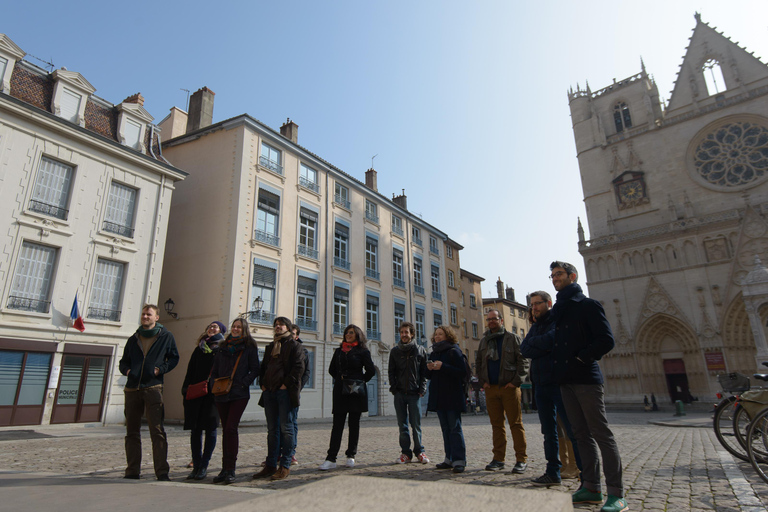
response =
{"points": [[401, 200], [290, 130], [370, 179], [200, 112]]}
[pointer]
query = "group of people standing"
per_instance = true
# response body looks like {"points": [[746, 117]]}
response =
{"points": [[564, 344]]}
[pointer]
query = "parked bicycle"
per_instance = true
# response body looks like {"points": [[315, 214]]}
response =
{"points": [[728, 413]]}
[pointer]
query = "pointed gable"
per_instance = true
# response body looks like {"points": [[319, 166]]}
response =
{"points": [[739, 67]]}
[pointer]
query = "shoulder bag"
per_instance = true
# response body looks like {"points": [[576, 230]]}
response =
{"points": [[222, 385]]}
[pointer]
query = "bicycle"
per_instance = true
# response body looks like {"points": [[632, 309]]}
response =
{"points": [[757, 432], [727, 414]]}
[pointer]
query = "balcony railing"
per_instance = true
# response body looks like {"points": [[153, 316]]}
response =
{"points": [[271, 165], [338, 329], [418, 289], [104, 314], [397, 230], [417, 241], [373, 335], [369, 272], [434, 250], [306, 324], [340, 263], [398, 282], [25, 304], [118, 229], [267, 238], [341, 201], [372, 217], [48, 209], [261, 317], [309, 184], [307, 251], [437, 295]]}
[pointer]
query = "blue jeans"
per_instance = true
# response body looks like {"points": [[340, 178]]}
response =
{"points": [[201, 457], [408, 410], [295, 416], [277, 409], [550, 404], [453, 437]]}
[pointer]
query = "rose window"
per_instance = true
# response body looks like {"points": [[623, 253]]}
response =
{"points": [[733, 155]]}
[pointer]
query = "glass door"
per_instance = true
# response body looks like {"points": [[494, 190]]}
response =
{"points": [[80, 395], [23, 382]]}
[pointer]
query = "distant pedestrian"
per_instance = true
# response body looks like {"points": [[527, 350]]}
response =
{"points": [[447, 370], [149, 354], [200, 414], [408, 383], [654, 405], [351, 368]]}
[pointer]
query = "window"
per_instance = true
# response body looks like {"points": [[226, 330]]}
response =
{"points": [[514, 329], [32, 281], [454, 315], [472, 301], [120, 210], [433, 245], [132, 134], [435, 272], [372, 317], [308, 179], [371, 259], [341, 247], [264, 285], [70, 105], [340, 308], [311, 365], [418, 285], [371, 212], [464, 327], [419, 323], [451, 281], [397, 225], [271, 158], [3, 66], [306, 291], [621, 117], [474, 330], [438, 319], [341, 196], [399, 319], [416, 234], [397, 268], [713, 77], [307, 233], [522, 333], [106, 290], [267, 218], [521, 313], [449, 251], [462, 299], [51, 193]]}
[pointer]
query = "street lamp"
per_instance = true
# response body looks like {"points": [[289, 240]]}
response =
{"points": [[258, 303], [168, 305]]}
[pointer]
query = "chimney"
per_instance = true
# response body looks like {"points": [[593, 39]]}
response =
{"points": [[200, 112], [400, 200], [290, 131], [136, 98], [510, 292], [500, 288], [370, 179]]}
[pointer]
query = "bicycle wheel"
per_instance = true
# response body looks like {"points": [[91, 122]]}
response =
{"points": [[741, 421], [724, 431], [757, 446]]}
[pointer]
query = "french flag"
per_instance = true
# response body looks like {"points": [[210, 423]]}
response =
{"points": [[74, 315]]}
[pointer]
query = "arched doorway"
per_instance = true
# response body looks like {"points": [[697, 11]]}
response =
{"points": [[738, 340]]}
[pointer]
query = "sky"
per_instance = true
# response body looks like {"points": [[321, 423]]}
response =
{"points": [[464, 104]]}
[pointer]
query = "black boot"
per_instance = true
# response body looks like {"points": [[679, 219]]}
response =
{"points": [[220, 477], [201, 473], [193, 474], [230, 478]]}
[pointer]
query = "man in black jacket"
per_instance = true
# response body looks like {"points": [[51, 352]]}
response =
{"points": [[408, 382], [148, 355], [582, 337]]}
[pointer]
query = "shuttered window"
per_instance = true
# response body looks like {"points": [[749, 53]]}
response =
{"points": [[132, 134], [52, 185], [106, 290], [70, 104], [121, 206]]}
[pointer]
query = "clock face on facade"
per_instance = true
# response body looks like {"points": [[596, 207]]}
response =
{"points": [[631, 191]]}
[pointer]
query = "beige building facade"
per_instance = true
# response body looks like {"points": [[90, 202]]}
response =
{"points": [[470, 314], [84, 202], [676, 200]]}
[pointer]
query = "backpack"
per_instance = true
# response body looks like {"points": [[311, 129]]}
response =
{"points": [[467, 379]]}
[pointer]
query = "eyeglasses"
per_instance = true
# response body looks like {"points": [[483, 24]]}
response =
{"points": [[493, 319], [533, 304], [558, 274]]}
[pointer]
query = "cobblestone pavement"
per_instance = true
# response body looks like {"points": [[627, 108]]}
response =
{"points": [[665, 468]]}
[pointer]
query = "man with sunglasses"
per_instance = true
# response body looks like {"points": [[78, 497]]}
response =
{"points": [[582, 337]]}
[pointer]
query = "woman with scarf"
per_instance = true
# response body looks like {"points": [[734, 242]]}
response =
{"points": [[237, 357], [446, 370], [351, 368], [200, 413]]}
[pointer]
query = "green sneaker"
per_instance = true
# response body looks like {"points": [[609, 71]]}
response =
{"points": [[584, 495], [614, 504]]}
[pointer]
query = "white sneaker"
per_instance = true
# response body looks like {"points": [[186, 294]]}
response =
{"points": [[325, 466], [350, 463]]}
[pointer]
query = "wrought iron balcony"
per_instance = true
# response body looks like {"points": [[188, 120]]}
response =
{"points": [[434, 250], [372, 273], [417, 241], [48, 209], [338, 329], [372, 217], [271, 165], [309, 184], [340, 263], [373, 335], [261, 317], [267, 238], [306, 324], [25, 304], [341, 201], [418, 289], [104, 314], [437, 295], [397, 230], [307, 251], [118, 229], [398, 282]]}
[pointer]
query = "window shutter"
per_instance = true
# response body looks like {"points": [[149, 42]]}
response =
{"points": [[264, 276], [33, 271], [107, 284], [70, 105], [340, 293], [132, 134], [121, 204], [342, 231], [308, 214], [52, 185], [372, 300], [307, 286], [269, 202]]}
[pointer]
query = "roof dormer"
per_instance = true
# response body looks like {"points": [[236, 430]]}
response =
{"points": [[132, 123], [70, 95], [9, 55]]}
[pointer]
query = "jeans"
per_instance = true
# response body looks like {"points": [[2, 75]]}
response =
{"points": [[148, 401], [500, 401], [202, 456], [550, 405], [453, 437], [230, 414], [295, 415], [278, 410], [338, 430], [585, 406], [408, 410]]}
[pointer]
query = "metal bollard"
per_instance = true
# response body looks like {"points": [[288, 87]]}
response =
{"points": [[679, 408]]}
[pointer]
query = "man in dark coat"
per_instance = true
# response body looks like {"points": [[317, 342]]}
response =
{"points": [[582, 337], [149, 354]]}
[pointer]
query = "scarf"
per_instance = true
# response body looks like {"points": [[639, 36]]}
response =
{"points": [[208, 344], [407, 346], [235, 345], [346, 347], [150, 333], [492, 353], [277, 346], [442, 346], [562, 297]]}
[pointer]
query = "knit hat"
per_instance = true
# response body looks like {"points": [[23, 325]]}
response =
{"points": [[222, 327]]}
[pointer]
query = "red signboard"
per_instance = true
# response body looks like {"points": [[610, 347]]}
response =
{"points": [[715, 361]]}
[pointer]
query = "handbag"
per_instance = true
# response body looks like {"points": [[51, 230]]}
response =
{"points": [[353, 388], [197, 390], [222, 385]]}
